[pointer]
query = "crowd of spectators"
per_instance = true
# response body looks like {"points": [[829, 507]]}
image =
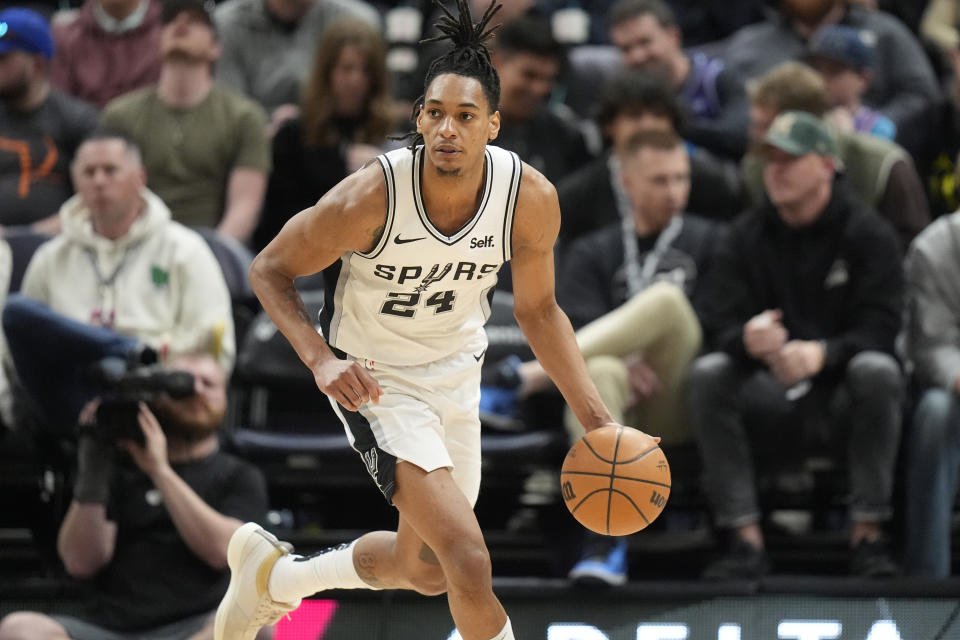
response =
{"points": [[752, 245]]}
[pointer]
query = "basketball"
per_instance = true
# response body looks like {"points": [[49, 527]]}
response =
{"points": [[615, 480]]}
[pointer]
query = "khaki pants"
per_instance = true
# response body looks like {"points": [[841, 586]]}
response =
{"points": [[659, 324]]}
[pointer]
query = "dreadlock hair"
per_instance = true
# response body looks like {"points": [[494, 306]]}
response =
{"points": [[469, 56]]}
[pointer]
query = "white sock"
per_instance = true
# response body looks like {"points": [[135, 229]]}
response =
{"points": [[294, 577], [506, 633]]}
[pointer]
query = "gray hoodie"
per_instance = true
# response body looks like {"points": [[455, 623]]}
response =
{"points": [[933, 303]]}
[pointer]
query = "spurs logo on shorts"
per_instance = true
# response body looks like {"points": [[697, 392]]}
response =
{"points": [[370, 459]]}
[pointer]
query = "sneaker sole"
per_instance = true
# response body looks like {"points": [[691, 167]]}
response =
{"points": [[596, 577], [243, 539]]}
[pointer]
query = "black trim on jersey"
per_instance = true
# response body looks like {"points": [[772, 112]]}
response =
{"points": [[489, 310], [380, 465], [422, 211], [331, 275], [391, 188], [513, 195]]}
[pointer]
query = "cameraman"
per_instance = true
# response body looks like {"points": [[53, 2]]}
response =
{"points": [[149, 539]]}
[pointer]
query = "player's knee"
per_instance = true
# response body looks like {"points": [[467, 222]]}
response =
{"points": [[470, 567], [429, 580]]}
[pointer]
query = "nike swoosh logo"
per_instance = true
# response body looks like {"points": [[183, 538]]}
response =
{"points": [[399, 240], [479, 357]]}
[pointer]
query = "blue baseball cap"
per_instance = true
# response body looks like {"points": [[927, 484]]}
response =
{"points": [[25, 30], [846, 45]]}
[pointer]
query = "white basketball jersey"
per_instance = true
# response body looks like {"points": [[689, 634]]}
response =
{"points": [[421, 295]]}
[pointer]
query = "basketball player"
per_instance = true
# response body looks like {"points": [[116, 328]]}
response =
{"points": [[411, 246]]}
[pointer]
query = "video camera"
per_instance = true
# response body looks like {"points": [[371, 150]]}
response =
{"points": [[123, 388]]}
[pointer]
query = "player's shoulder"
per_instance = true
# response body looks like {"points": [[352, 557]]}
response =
{"points": [[537, 215], [534, 186], [350, 213], [531, 179], [537, 202], [364, 190]]}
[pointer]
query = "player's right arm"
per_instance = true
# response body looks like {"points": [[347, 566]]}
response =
{"points": [[350, 217]]}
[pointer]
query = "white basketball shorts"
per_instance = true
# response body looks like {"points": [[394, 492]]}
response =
{"points": [[428, 416]]}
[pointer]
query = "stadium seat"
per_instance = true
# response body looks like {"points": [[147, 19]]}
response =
{"points": [[22, 246], [234, 259]]}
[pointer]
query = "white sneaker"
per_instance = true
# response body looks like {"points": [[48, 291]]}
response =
{"points": [[247, 605]]}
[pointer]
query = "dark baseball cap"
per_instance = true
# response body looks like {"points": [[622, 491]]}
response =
{"points": [[799, 133], [173, 8], [846, 45], [25, 30]]}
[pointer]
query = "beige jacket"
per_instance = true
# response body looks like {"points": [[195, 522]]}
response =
{"points": [[160, 282]]}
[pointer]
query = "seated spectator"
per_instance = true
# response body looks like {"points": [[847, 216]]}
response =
{"points": [[135, 279], [933, 346], [345, 116], [877, 171], [149, 539], [801, 307], [107, 48], [205, 148], [844, 58], [712, 95], [591, 197], [903, 87], [546, 136], [269, 45], [40, 127], [630, 290]]}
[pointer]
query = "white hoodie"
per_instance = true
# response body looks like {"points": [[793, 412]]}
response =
{"points": [[159, 283]]}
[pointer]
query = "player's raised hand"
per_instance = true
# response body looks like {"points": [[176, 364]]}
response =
{"points": [[347, 382]]}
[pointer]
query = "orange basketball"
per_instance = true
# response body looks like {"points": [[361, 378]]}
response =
{"points": [[615, 480]]}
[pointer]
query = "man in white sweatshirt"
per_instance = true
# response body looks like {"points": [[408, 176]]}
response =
{"points": [[121, 276]]}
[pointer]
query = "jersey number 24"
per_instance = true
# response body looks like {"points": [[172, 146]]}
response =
{"points": [[405, 305]]}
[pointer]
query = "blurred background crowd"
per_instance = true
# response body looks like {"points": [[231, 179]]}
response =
{"points": [[759, 251]]}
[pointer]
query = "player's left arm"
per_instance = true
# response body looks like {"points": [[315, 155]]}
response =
{"points": [[535, 228]]}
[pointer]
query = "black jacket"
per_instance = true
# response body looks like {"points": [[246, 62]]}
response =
{"points": [[550, 142], [587, 201], [592, 276], [839, 279]]}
